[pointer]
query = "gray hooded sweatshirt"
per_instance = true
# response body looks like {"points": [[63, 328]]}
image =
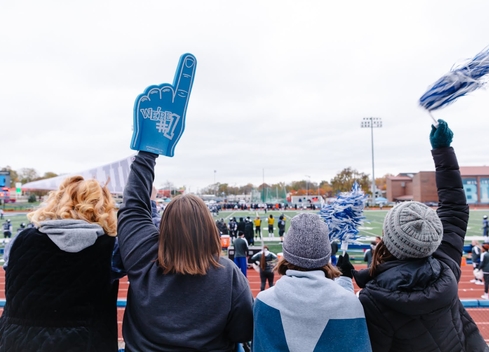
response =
{"points": [[69, 235]]}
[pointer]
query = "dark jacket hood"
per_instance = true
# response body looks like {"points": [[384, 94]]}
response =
{"points": [[403, 285]]}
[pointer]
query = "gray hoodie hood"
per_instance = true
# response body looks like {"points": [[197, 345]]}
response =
{"points": [[71, 235]]}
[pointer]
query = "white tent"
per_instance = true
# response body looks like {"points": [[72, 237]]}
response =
{"points": [[118, 173]]}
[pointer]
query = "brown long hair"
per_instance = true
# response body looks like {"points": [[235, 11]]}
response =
{"points": [[381, 255], [263, 259], [79, 199], [189, 241], [329, 270]]}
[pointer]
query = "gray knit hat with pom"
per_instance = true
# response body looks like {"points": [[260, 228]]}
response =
{"points": [[307, 243], [412, 230]]}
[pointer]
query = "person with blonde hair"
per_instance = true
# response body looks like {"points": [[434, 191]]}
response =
{"points": [[183, 295], [60, 295]]}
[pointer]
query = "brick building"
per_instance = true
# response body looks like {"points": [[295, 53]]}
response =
{"points": [[421, 186], [476, 184], [400, 187]]}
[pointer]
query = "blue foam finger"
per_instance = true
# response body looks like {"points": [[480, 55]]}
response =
{"points": [[160, 112]]}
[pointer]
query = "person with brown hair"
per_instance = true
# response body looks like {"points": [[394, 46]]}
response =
{"points": [[410, 292], [312, 307], [183, 296], [60, 295], [266, 262]]}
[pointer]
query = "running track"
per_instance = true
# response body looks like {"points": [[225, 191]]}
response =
{"points": [[467, 291]]}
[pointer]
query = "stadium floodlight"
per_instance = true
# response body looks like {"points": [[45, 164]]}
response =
{"points": [[307, 186], [372, 122]]}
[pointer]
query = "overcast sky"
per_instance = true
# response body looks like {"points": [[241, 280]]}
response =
{"points": [[280, 90]]}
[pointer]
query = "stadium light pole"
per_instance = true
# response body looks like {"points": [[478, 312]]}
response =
{"points": [[307, 185], [372, 122]]}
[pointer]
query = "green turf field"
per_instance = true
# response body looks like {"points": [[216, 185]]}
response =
{"points": [[16, 220], [372, 226]]}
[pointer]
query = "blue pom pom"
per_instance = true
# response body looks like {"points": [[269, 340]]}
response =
{"points": [[461, 80], [344, 215]]}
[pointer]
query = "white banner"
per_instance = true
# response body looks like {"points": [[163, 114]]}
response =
{"points": [[117, 171]]}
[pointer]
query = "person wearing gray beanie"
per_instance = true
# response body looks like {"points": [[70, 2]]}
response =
{"points": [[310, 306], [412, 230], [410, 291], [307, 243]]}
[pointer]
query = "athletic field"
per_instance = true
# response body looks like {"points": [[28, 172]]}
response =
{"points": [[371, 227]]}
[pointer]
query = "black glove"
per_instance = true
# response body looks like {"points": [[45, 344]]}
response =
{"points": [[345, 266]]}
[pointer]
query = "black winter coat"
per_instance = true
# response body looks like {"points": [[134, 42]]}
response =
{"points": [[59, 301], [241, 226], [413, 305], [248, 231]]}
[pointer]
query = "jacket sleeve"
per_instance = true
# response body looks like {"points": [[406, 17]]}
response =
{"points": [[239, 327], [256, 256], [138, 236], [453, 210]]}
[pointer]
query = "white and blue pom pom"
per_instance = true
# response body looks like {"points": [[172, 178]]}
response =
{"points": [[461, 79], [344, 215]]}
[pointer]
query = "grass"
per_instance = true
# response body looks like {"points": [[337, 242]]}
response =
{"points": [[372, 226], [21, 206]]}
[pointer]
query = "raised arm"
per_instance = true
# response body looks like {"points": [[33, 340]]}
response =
{"points": [[137, 234], [453, 209]]}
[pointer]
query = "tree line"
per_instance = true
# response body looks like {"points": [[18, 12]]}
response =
{"points": [[341, 182]]}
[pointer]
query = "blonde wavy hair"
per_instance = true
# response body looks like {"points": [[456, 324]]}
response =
{"points": [[79, 199]]}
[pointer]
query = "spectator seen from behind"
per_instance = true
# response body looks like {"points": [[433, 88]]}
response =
{"points": [[271, 222], [484, 267], [281, 227], [485, 226], [7, 229], [59, 289], [183, 295], [367, 256], [257, 222], [410, 292], [313, 306], [241, 252], [475, 254], [266, 261]]}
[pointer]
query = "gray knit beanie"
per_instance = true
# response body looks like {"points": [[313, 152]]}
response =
{"points": [[307, 243], [412, 230]]}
